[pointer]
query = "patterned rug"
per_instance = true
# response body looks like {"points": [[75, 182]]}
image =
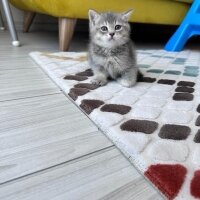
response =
{"points": [[155, 123]]}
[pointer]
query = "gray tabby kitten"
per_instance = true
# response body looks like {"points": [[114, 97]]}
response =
{"points": [[111, 52]]}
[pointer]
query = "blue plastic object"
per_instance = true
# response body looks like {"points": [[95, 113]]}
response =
{"points": [[189, 27]]}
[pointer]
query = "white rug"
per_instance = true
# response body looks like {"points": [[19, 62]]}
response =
{"points": [[155, 123]]}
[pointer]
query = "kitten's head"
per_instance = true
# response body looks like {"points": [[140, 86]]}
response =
{"points": [[109, 29]]}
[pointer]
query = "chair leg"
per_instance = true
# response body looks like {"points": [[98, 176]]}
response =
{"points": [[28, 19], [189, 27], [11, 25], [2, 27], [66, 30], [179, 39]]}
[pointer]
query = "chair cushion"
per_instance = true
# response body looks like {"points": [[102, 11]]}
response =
{"points": [[185, 1], [145, 11]]}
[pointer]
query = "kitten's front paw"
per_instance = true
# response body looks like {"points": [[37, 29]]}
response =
{"points": [[125, 82], [98, 81]]}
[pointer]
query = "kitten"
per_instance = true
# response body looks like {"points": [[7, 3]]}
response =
{"points": [[111, 52]]}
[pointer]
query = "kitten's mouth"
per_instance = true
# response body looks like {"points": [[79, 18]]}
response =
{"points": [[110, 39]]}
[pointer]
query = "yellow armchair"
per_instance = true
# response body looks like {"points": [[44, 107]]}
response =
{"points": [[169, 12]]}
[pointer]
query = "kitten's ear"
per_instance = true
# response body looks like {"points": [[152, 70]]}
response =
{"points": [[93, 16], [126, 15]]}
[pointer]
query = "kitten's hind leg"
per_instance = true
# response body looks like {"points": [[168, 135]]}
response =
{"points": [[129, 78], [100, 77]]}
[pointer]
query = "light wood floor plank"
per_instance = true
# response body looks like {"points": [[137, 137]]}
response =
{"points": [[25, 83], [40, 132], [48, 148], [102, 175], [17, 63], [29, 42]]}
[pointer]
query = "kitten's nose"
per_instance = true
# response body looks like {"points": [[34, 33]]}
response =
{"points": [[111, 34]]}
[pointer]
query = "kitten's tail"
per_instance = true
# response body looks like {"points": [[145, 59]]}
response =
{"points": [[139, 76]]}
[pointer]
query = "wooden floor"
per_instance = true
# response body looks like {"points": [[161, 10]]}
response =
{"points": [[49, 150]]}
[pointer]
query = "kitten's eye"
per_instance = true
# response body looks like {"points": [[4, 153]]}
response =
{"points": [[104, 29], [118, 27]]}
